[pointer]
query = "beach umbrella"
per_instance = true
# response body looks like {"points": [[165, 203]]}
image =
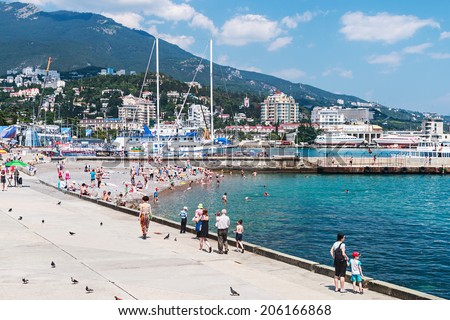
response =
{"points": [[3, 151], [16, 163]]}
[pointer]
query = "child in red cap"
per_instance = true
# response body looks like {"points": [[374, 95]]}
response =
{"points": [[357, 273]]}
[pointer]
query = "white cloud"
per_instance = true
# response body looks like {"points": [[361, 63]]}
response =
{"points": [[417, 49], [392, 59], [279, 43], [201, 21], [340, 72], [182, 41], [440, 56], [444, 35], [291, 74], [248, 28], [292, 22], [128, 19], [382, 27]]}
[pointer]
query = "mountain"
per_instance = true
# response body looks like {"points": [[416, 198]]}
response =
{"points": [[28, 36]]}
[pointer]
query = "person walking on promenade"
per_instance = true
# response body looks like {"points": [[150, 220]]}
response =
{"points": [[204, 231], [3, 179], [183, 215], [197, 218], [337, 252], [239, 231], [145, 215], [357, 273], [16, 177], [222, 224]]}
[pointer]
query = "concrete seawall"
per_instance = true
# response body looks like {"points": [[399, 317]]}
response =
{"points": [[315, 267]]}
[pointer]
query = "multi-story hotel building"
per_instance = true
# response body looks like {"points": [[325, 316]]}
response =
{"points": [[135, 112], [280, 108]]}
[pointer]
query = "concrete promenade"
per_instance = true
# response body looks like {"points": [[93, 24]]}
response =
{"points": [[114, 260]]}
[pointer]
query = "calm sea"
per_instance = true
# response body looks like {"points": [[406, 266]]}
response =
{"points": [[399, 224]]}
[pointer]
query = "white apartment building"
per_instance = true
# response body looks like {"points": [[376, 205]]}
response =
{"points": [[135, 112], [432, 126], [325, 117], [199, 116], [280, 108]]}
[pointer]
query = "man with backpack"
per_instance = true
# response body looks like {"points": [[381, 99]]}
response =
{"points": [[337, 251]]}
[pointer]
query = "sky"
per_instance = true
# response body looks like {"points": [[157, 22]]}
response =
{"points": [[396, 53]]}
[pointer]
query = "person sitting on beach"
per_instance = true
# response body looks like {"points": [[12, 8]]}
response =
{"points": [[83, 190], [120, 201], [139, 185], [104, 195]]}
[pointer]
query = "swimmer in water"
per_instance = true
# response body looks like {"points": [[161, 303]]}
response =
{"points": [[266, 194]]}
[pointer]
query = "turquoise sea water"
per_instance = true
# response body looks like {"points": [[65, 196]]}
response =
{"points": [[399, 224]]}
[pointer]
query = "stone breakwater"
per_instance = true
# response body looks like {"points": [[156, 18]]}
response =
{"points": [[382, 287]]}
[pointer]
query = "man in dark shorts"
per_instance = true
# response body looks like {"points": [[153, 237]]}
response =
{"points": [[337, 252]]}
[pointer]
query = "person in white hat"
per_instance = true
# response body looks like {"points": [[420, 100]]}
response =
{"points": [[183, 215]]}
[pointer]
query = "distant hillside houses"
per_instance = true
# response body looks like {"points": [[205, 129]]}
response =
{"points": [[30, 76]]}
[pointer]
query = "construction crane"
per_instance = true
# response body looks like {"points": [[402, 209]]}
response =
{"points": [[43, 88]]}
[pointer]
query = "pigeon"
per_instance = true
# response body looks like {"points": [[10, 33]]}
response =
{"points": [[167, 237], [24, 281], [43, 220], [117, 298], [101, 223], [89, 290], [59, 203], [20, 218], [10, 209], [71, 233], [53, 264], [74, 281], [233, 292]]}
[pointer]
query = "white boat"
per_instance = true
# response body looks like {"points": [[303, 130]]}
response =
{"points": [[336, 138], [397, 140], [431, 149]]}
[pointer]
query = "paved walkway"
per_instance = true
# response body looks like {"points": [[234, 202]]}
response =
{"points": [[113, 260]]}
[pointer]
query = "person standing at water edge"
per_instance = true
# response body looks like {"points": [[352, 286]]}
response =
{"points": [[222, 224], [155, 196], [183, 215], [197, 217], [357, 273], [145, 214], [337, 252], [239, 231]]}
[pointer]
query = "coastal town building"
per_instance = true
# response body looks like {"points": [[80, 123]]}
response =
{"points": [[332, 116], [432, 127], [199, 116], [135, 112], [100, 123], [280, 108], [326, 117]]}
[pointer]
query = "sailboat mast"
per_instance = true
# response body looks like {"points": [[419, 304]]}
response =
{"points": [[157, 91], [211, 87]]}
